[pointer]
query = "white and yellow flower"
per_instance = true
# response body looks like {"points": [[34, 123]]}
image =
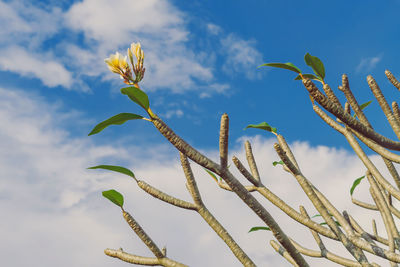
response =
{"points": [[117, 63], [138, 68], [136, 50]]}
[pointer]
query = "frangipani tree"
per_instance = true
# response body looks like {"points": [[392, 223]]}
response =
{"points": [[338, 226]]}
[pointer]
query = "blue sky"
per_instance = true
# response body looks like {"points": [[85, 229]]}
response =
{"points": [[201, 60]]}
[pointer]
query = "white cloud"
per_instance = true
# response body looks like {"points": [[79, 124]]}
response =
{"points": [[242, 57], [53, 203], [368, 63], [214, 29], [115, 22], [170, 64], [174, 113], [49, 71], [26, 24]]}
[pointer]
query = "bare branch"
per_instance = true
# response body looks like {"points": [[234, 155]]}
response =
{"points": [[142, 235], [251, 161], [315, 235], [191, 182], [374, 228], [356, 252], [368, 237], [392, 79], [209, 218], [165, 197], [347, 119], [329, 255], [345, 88], [363, 204], [282, 142], [396, 111], [245, 172], [384, 105], [391, 239], [361, 154], [134, 259], [278, 248], [330, 94], [225, 186], [382, 205], [274, 199], [223, 140]]}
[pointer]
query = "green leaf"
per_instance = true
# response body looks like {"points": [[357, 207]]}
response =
{"points": [[287, 66], [137, 96], [366, 104], [256, 228], [262, 126], [316, 64], [324, 223], [363, 106], [116, 169], [309, 76], [116, 120], [212, 174], [114, 196], [355, 184], [319, 215], [278, 162]]}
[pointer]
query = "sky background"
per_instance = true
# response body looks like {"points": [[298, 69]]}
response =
{"points": [[201, 61]]}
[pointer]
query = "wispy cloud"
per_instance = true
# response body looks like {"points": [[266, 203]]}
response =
{"points": [[50, 71], [174, 113], [368, 63], [214, 29], [241, 56], [28, 25]]}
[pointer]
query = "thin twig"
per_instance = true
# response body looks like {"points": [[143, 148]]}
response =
{"points": [[278, 248], [384, 105], [392, 79], [223, 140], [245, 172], [142, 235], [251, 161], [134, 259], [209, 218], [165, 197], [355, 251]]}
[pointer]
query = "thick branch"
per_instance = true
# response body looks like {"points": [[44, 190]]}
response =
{"points": [[348, 119]]}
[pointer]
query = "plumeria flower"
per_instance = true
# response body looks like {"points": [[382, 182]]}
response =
{"points": [[138, 68], [136, 50], [119, 64]]}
